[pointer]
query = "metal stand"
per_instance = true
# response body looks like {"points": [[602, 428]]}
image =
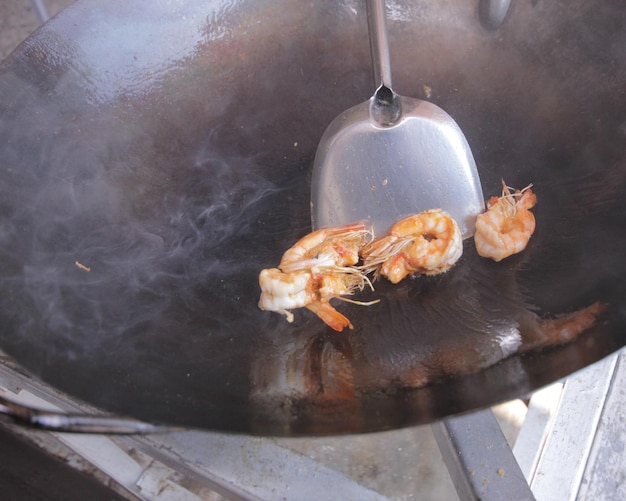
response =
{"points": [[569, 447]]}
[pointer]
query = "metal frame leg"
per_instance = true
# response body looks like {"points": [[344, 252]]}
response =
{"points": [[479, 459]]}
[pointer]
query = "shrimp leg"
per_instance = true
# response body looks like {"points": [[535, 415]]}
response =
{"points": [[329, 315]]}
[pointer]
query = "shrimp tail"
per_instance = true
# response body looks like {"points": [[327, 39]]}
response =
{"points": [[329, 315]]}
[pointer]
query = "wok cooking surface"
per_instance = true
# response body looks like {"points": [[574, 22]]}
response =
{"points": [[152, 162]]}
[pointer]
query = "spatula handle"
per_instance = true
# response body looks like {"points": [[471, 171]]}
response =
{"points": [[379, 42]]}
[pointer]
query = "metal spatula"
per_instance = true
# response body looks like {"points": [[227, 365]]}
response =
{"points": [[392, 156]]}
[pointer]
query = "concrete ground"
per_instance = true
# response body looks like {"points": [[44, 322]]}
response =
{"points": [[405, 464]]}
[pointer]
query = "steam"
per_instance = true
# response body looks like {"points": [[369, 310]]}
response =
{"points": [[152, 240]]}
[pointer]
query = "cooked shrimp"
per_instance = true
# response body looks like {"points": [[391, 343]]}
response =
{"points": [[312, 289], [326, 247], [507, 226], [427, 243], [316, 269]]}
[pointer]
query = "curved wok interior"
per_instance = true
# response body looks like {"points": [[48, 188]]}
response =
{"points": [[155, 156]]}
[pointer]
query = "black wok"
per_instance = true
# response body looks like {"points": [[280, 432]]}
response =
{"points": [[155, 156]]}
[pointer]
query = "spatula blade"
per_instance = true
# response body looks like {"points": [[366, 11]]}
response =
{"points": [[367, 172]]}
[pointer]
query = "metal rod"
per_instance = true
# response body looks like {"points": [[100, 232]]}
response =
{"points": [[41, 10], [493, 12], [379, 42], [76, 423]]}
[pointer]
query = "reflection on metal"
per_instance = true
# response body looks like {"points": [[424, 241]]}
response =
{"points": [[493, 12]]}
